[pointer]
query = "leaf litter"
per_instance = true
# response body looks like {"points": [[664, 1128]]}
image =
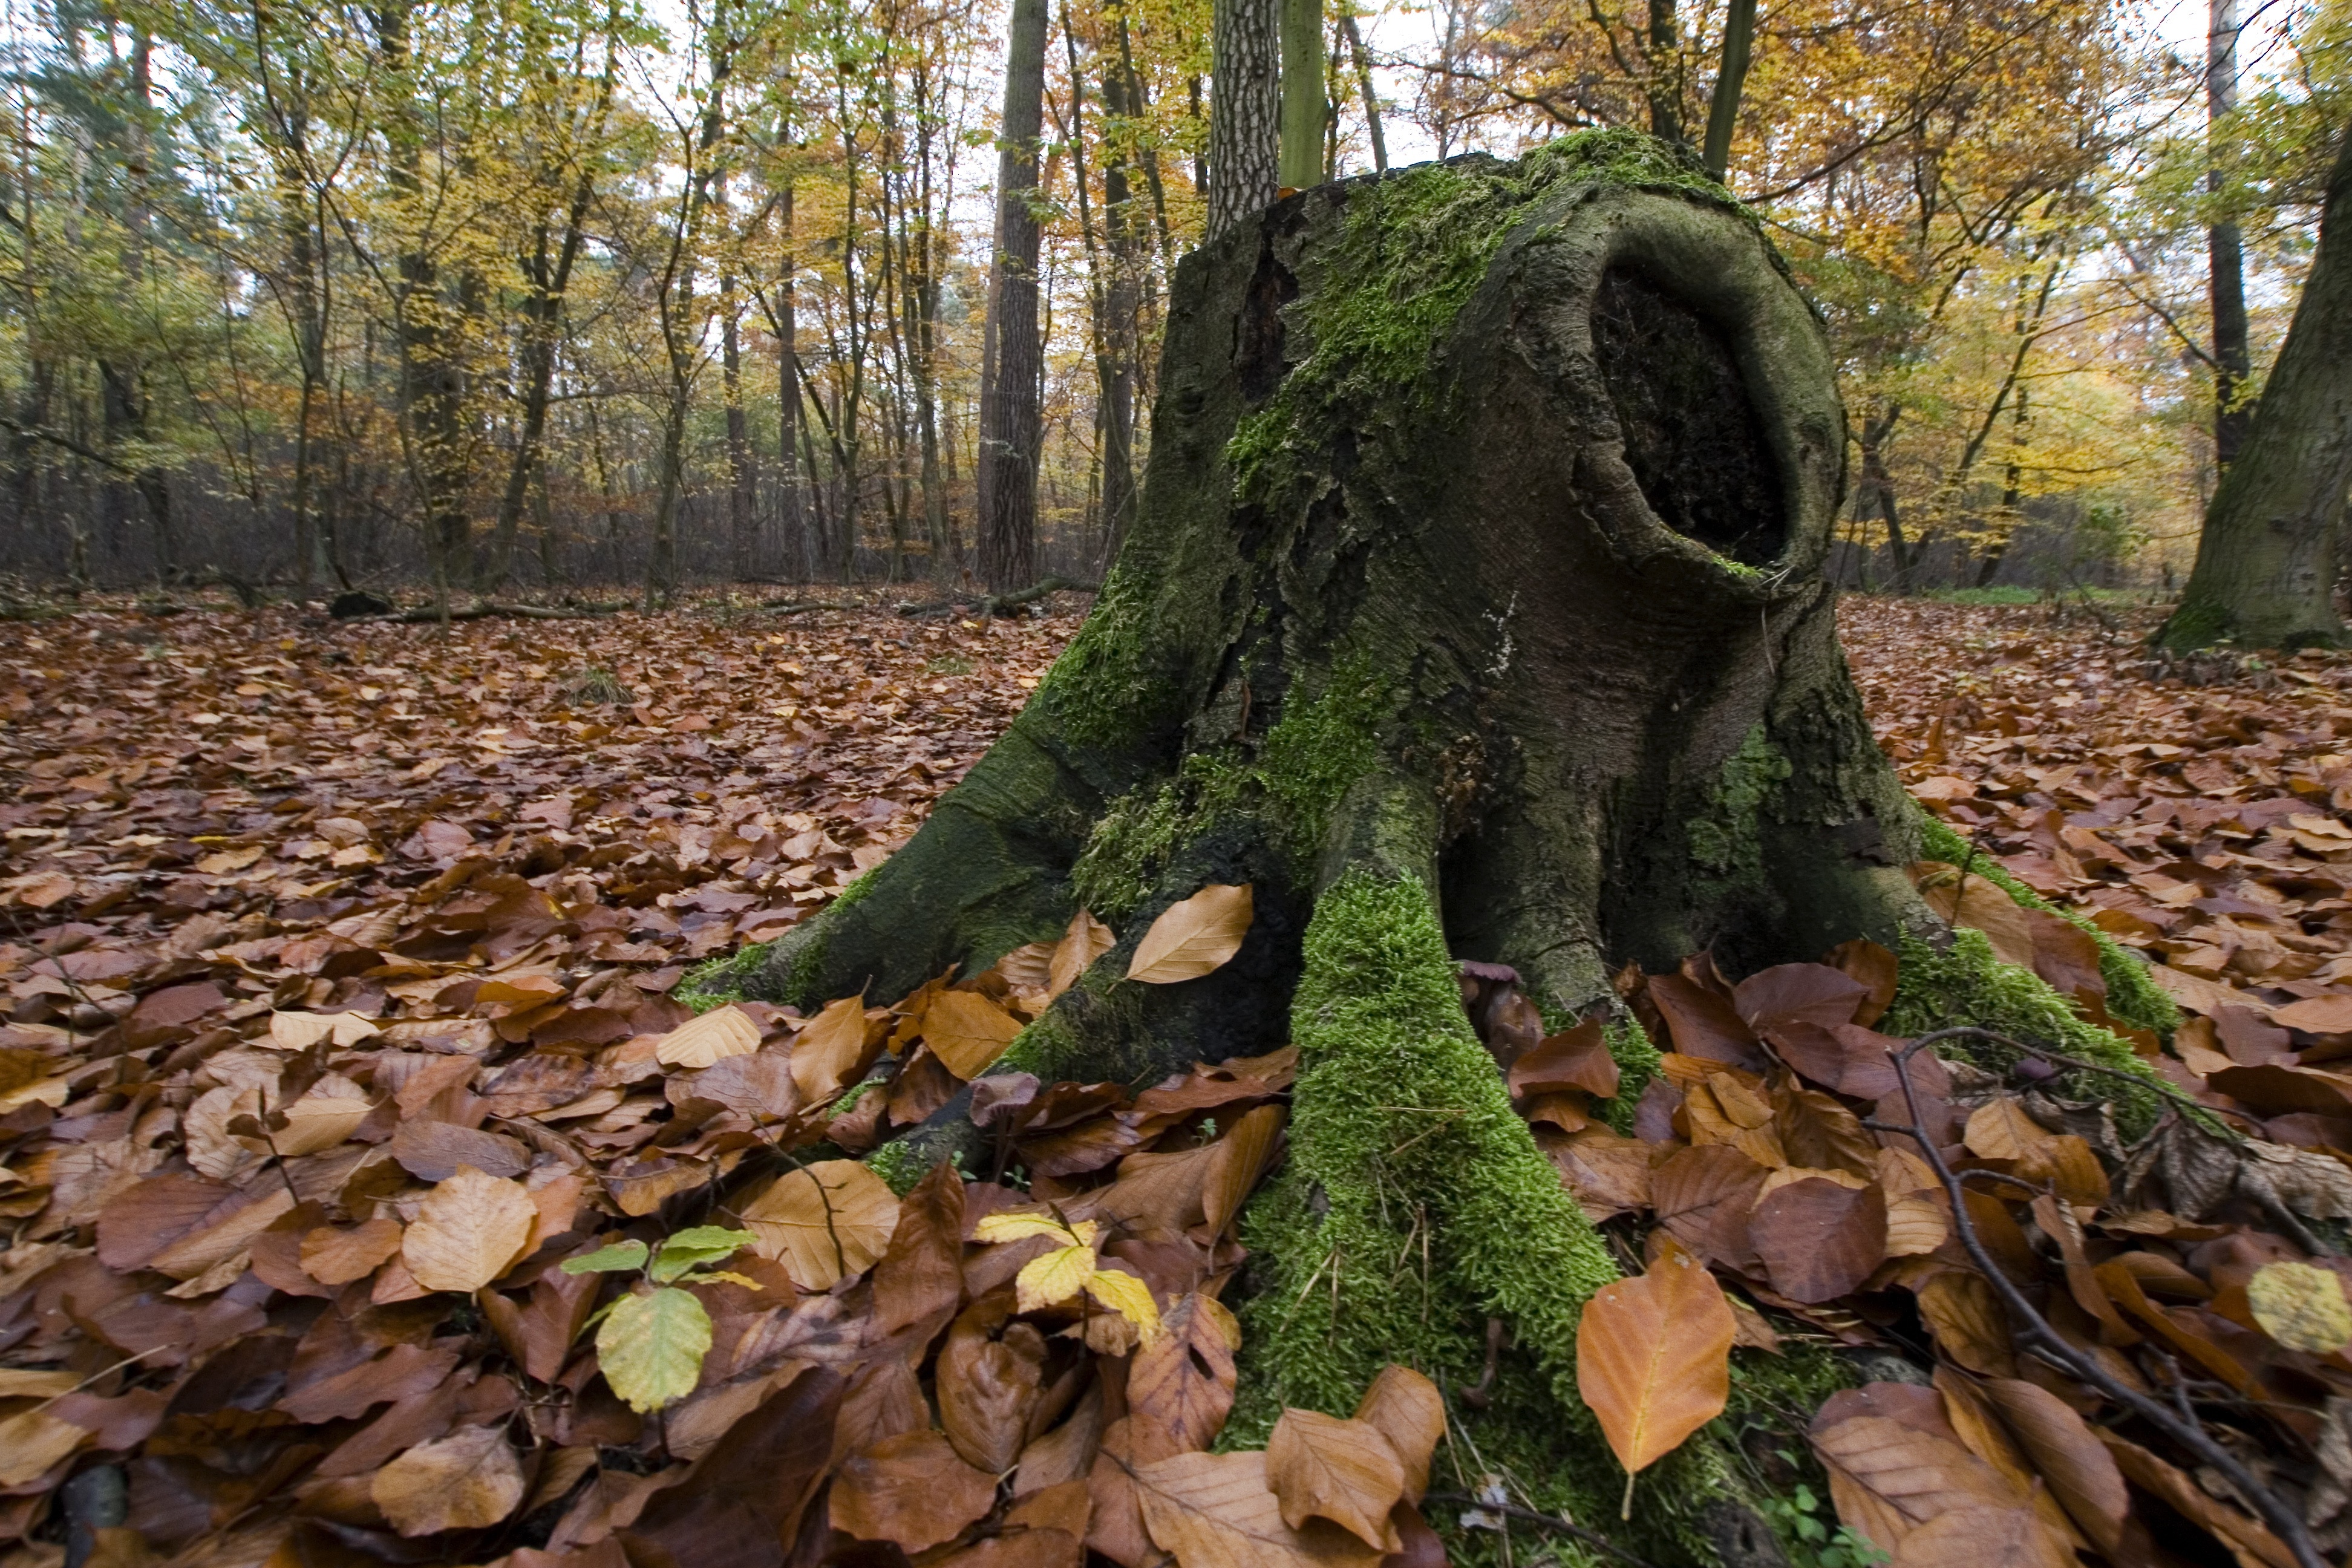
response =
{"points": [[371, 1196]]}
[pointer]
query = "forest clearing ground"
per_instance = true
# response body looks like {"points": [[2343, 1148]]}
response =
{"points": [[238, 846], [197, 784]]}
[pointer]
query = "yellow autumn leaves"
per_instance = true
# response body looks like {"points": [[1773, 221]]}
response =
{"points": [[1052, 1277]]}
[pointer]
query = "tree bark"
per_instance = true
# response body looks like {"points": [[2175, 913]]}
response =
{"points": [[2266, 566], [1009, 412], [1491, 628], [1305, 109], [1245, 111]]}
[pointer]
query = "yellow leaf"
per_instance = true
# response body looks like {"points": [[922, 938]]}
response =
{"points": [[1003, 1227], [323, 1118], [650, 1347], [718, 1034], [468, 1231], [967, 1031], [1127, 1296], [31, 1441], [1053, 1277], [467, 1480], [1194, 938], [2301, 1306], [824, 1221]]}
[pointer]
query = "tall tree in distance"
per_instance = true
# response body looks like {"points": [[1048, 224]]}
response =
{"points": [[1245, 112], [2225, 251], [1011, 357], [2265, 572]]}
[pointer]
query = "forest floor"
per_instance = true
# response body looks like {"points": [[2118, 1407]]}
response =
{"points": [[266, 876]]}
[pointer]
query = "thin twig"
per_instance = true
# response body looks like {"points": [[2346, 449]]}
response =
{"points": [[2043, 1340]]}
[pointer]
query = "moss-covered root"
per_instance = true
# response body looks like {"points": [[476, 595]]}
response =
{"points": [[1415, 1207]]}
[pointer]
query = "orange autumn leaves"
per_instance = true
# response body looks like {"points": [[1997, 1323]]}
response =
{"points": [[1654, 1358]]}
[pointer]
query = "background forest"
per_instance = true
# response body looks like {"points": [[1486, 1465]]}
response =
{"points": [[544, 296]]}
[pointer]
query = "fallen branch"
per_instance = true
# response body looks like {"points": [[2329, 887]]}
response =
{"points": [[2038, 1338], [484, 609], [998, 604], [796, 607]]}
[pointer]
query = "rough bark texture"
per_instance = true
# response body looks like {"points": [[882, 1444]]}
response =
{"points": [[1245, 114], [1472, 610], [1009, 386], [2266, 562]]}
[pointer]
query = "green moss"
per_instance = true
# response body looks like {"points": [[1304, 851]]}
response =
{"points": [[718, 980], [1129, 846], [1414, 1204], [1966, 984], [1103, 691], [1723, 836], [902, 1164], [1637, 1064], [1414, 247], [2133, 995], [1322, 745]]}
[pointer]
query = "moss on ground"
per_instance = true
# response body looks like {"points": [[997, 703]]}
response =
{"points": [[1415, 1206], [1966, 984], [2133, 995]]}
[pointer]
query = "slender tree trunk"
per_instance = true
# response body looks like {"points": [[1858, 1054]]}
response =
{"points": [[1245, 113], [2233, 411], [1305, 110], [1363, 63], [1665, 84], [743, 479], [784, 322], [1878, 489], [1723, 107], [1128, 244], [1008, 412], [2265, 570]]}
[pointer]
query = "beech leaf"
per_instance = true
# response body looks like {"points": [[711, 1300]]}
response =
{"points": [[2301, 1306], [967, 1031], [1408, 1410], [467, 1480], [701, 1042], [651, 1347], [824, 1221], [1342, 1470], [1653, 1357], [1193, 937], [469, 1229]]}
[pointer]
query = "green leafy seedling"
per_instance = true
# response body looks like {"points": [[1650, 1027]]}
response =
{"points": [[650, 1342]]}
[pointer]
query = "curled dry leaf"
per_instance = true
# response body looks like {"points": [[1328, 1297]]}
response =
{"points": [[1962, 1310], [334, 1257], [1819, 1238], [467, 1480], [1575, 1058], [967, 1031], [1653, 1357], [701, 1042], [828, 1050], [2081, 1473], [1343, 1470], [911, 1489], [1193, 937], [1216, 1511], [470, 1229], [1182, 1385], [824, 1221], [31, 1441], [1407, 1409], [300, 1031], [1086, 940]]}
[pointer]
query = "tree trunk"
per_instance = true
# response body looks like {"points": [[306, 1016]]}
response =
{"points": [[1009, 414], [1245, 111], [1472, 610], [2265, 572], [1304, 106], [2234, 361]]}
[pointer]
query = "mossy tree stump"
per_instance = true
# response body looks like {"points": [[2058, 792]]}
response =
{"points": [[1474, 611]]}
